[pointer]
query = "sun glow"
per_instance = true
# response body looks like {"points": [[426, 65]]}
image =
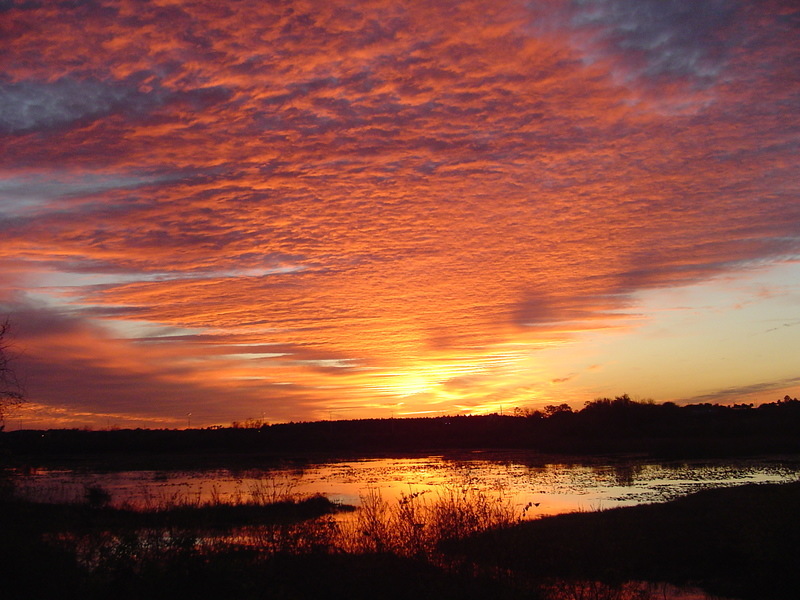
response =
{"points": [[474, 207]]}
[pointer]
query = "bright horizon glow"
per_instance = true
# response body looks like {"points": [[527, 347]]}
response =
{"points": [[382, 208], [735, 335]]}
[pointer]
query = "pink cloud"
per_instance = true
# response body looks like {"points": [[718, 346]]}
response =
{"points": [[372, 185]]}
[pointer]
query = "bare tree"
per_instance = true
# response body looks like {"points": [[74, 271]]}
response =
{"points": [[11, 392]]}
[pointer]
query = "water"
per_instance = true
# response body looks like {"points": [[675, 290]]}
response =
{"points": [[548, 486]]}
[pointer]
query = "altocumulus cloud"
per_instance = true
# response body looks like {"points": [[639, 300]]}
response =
{"points": [[378, 197], [32, 105], [663, 38]]}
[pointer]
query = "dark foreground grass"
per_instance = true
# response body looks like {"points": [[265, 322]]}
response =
{"points": [[243, 574], [741, 542], [52, 550], [737, 542], [282, 550]]}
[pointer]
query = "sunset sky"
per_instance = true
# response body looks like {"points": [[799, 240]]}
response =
{"points": [[298, 210]]}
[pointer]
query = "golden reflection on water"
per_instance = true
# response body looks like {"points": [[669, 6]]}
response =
{"points": [[413, 492], [548, 488]]}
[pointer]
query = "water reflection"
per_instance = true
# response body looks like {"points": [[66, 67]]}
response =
{"points": [[522, 478], [408, 504], [630, 590]]}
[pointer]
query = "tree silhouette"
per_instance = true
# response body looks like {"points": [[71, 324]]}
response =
{"points": [[552, 409], [11, 392]]}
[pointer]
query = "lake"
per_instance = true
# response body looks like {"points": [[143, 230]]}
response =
{"points": [[547, 485]]}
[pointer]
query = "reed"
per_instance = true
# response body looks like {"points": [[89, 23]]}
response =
{"points": [[418, 522], [429, 536]]}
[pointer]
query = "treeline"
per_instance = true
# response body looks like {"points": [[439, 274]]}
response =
{"points": [[602, 426]]}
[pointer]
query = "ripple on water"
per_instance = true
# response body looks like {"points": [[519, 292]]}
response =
{"points": [[556, 486]]}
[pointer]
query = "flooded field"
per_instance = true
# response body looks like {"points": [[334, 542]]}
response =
{"points": [[546, 486], [407, 505]]}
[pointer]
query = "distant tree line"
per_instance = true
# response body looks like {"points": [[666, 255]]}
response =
{"points": [[604, 425]]}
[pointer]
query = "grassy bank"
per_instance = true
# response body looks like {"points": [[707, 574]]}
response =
{"points": [[741, 542], [289, 549]]}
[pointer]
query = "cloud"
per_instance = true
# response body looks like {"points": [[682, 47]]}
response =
{"points": [[663, 38], [744, 392], [34, 194], [74, 364], [381, 185], [27, 106], [9, 5]]}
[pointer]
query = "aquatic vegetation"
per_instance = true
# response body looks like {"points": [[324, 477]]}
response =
{"points": [[419, 521], [459, 537]]}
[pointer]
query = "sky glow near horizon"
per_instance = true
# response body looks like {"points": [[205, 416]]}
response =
{"points": [[303, 210]]}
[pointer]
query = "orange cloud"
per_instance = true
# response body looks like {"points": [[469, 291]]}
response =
{"points": [[407, 199]]}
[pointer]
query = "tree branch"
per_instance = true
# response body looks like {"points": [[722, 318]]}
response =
{"points": [[11, 391]]}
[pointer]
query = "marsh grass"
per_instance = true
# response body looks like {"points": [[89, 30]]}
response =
{"points": [[265, 543], [268, 518], [457, 538], [154, 495], [418, 522], [107, 539]]}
